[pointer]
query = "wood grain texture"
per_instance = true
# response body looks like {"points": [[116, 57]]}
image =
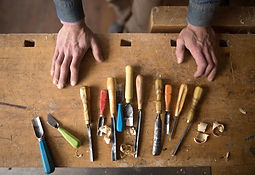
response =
{"points": [[172, 19], [25, 80]]}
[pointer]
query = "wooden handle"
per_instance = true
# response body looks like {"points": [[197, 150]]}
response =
{"points": [[181, 98], [196, 97], [103, 99], [129, 84], [111, 87], [139, 90], [158, 88], [168, 94], [85, 93]]}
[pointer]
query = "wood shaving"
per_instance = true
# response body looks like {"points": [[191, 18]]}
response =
{"points": [[227, 156], [242, 111], [78, 155], [107, 131], [201, 138], [217, 129], [132, 131], [126, 150], [201, 127]]}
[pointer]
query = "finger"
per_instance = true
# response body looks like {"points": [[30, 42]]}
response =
{"points": [[54, 58], [196, 52], [212, 75], [180, 49], [57, 66], [210, 64], [96, 50], [74, 68], [64, 70]]}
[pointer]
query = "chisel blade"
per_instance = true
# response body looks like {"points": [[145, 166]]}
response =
{"points": [[167, 123], [174, 127], [114, 139], [181, 139], [138, 129], [90, 144], [157, 136]]}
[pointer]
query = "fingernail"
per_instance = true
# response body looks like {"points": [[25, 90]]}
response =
{"points": [[60, 86], [73, 83], [179, 60]]}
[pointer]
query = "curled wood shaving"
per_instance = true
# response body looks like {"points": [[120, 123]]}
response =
{"points": [[242, 111], [201, 127], [201, 138], [132, 131], [126, 150], [107, 131], [78, 155], [217, 129]]}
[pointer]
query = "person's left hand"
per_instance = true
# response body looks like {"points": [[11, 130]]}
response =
{"points": [[200, 41]]}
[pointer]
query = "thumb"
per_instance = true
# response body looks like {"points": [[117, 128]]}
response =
{"points": [[96, 50], [180, 49]]}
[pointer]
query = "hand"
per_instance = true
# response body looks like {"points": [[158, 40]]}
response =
{"points": [[200, 41], [73, 41]]}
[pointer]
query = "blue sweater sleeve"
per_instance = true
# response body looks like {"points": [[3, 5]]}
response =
{"points": [[201, 12], [69, 10]]}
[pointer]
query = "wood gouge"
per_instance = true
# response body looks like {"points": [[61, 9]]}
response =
{"points": [[102, 103], [111, 87], [168, 94], [139, 92], [158, 123], [196, 97], [85, 97], [178, 108]]}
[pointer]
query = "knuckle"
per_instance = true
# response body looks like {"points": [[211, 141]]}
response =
{"points": [[58, 63], [74, 68]]}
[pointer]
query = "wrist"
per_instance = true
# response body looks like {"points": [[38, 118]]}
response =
{"points": [[196, 28]]}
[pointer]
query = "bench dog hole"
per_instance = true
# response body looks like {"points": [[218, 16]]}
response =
{"points": [[29, 43], [125, 43], [173, 43]]}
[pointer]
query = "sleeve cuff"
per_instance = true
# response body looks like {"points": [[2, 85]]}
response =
{"points": [[69, 11], [201, 12]]}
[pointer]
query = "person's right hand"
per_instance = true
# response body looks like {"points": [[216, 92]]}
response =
{"points": [[73, 41]]}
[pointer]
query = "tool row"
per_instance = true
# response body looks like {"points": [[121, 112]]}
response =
{"points": [[125, 116]]}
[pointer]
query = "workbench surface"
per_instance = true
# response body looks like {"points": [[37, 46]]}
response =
{"points": [[25, 80]]}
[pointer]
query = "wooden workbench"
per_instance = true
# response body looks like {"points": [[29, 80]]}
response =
{"points": [[25, 80]]}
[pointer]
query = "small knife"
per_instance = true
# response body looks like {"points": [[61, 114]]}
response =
{"points": [[75, 142]]}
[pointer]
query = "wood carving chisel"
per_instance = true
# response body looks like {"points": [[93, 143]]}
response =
{"points": [[48, 164], [111, 87], [71, 139], [196, 97], [158, 123], [120, 99], [139, 92], [85, 97], [178, 108], [102, 103], [168, 94], [128, 109]]}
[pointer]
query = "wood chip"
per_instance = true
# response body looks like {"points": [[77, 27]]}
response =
{"points": [[217, 129], [227, 156], [78, 155], [107, 131], [126, 150], [201, 127], [242, 111], [201, 138]]}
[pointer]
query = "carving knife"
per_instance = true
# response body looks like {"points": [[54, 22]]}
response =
{"points": [[103, 99], [178, 108], [158, 123], [168, 92], [48, 164], [196, 97], [139, 92], [72, 140], [111, 87], [128, 109], [85, 97]]}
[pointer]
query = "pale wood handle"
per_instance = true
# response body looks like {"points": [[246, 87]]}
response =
{"points": [[111, 87], [168, 94], [85, 93], [181, 98], [158, 88], [139, 90], [129, 84], [196, 97]]}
